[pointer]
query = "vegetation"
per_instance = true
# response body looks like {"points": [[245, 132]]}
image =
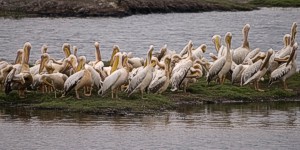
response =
{"points": [[276, 3], [197, 93]]}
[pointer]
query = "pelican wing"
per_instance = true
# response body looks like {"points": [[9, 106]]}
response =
{"points": [[250, 71], [72, 81], [110, 81], [179, 75], [157, 84], [8, 81], [216, 68], [137, 79], [95, 76], [237, 70], [280, 72]]}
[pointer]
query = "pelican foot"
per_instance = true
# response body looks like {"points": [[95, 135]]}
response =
{"points": [[87, 94], [260, 90], [290, 90]]}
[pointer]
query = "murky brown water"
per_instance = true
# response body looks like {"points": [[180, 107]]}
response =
{"points": [[273, 125]]}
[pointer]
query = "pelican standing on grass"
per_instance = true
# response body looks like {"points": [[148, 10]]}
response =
{"points": [[285, 70], [240, 53], [20, 74], [161, 82], [143, 78], [223, 65], [118, 78], [78, 80], [181, 69], [256, 73]]}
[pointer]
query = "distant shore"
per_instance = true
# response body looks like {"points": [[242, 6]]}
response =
{"points": [[115, 8]]}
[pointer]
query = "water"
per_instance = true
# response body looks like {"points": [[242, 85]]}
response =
{"points": [[226, 126], [273, 125], [136, 33]]}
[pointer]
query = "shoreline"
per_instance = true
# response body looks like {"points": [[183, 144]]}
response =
{"points": [[197, 94], [114, 8]]}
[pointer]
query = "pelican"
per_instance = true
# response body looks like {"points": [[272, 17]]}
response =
{"points": [[75, 50], [97, 64], [54, 80], [22, 72], [162, 80], [43, 50], [181, 69], [66, 49], [285, 70], [256, 73], [222, 66], [4, 72], [118, 78], [143, 77], [194, 73], [241, 52]]}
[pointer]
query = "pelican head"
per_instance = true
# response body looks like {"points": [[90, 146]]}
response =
{"points": [[72, 60], [81, 63], [18, 59], [293, 54], [44, 59], [44, 49], [153, 62], [293, 31], [246, 28], [287, 39], [163, 50], [203, 47], [97, 45], [66, 49], [116, 49], [75, 50], [26, 53], [216, 39], [228, 37], [116, 61]]}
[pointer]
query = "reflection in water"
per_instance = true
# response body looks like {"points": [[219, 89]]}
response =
{"points": [[272, 125]]}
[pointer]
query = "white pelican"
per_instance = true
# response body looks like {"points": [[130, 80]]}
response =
{"points": [[43, 50], [162, 80], [75, 50], [115, 80], [54, 80], [222, 66], [241, 52], [181, 69], [97, 64], [285, 70], [143, 77], [4, 72], [194, 73], [22, 71], [256, 73]]}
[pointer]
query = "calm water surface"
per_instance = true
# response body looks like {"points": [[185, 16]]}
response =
{"points": [[136, 33], [273, 125], [228, 126]]}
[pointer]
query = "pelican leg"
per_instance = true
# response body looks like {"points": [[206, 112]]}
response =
{"points": [[286, 87], [77, 94], [21, 93], [116, 94], [142, 92], [257, 87], [88, 89], [112, 93]]}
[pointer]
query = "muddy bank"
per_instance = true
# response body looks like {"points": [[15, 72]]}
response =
{"points": [[119, 8]]}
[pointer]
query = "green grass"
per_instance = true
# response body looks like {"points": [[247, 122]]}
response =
{"points": [[199, 92], [276, 3]]}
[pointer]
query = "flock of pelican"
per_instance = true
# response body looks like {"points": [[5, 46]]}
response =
{"points": [[155, 73]]}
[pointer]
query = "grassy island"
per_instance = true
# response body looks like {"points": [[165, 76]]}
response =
{"points": [[197, 94]]}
